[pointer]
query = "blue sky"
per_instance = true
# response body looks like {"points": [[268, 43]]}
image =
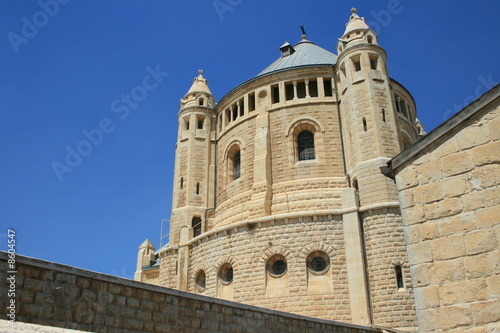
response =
{"points": [[66, 72]]}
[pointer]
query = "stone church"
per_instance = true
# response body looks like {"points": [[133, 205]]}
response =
{"points": [[312, 188]]}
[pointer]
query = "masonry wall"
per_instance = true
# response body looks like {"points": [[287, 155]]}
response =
{"points": [[249, 249], [385, 249], [56, 295], [450, 200]]}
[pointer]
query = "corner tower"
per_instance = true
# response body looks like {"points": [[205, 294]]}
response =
{"points": [[193, 192], [371, 134]]}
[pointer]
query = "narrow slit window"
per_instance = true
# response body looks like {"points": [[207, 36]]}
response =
{"points": [[373, 61], [399, 277], [200, 122], [365, 126], [182, 183], [383, 115], [357, 65], [197, 188], [305, 144]]}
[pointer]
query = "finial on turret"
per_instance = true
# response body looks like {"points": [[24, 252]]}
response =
{"points": [[200, 71], [353, 10], [303, 32]]}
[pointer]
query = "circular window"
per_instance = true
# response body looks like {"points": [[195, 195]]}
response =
{"points": [[201, 281], [276, 265], [318, 262], [262, 94], [226, 273]]}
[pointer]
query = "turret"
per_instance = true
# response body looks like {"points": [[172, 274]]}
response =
{"points": [[194, 162], [372, 136], [368, 114]]}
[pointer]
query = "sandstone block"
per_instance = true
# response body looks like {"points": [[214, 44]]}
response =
{"points": [[487, 154], [457, 224], [447, 148], [473, 136], [486, 312], [426, 320], [478, 266], [457, 163], [448, 247], [428, 193], [463, 292], [485, 176], [480, 241], [406, 198], [488, 216], [407, 178], [430, 171], [447, 271], [454, 186], [495, 261], [427, 297], [429, 230], [420, 253], [452, 317], [472, 200], [491, 196], [414, 214], [493, 283], [443, 208]]}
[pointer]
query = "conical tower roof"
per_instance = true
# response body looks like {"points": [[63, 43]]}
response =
{"points": [[200, 84], [355, 23]]}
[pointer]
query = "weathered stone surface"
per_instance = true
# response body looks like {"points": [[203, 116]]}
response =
{"points": [[452, 317]]}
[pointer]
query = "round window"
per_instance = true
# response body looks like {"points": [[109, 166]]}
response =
{"points": [[201, 281], [276, 265], [226, 273], [318, 262]]}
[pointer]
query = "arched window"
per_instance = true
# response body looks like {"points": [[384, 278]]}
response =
{"points": [[200, 281], [318, 262], [226, 273], [305, 145]]}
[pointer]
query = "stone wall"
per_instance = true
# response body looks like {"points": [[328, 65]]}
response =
{"points": [[449, 188], [62, 296], [248, 250]]}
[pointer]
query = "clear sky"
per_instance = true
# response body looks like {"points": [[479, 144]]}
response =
{"points": [[67, 67]]}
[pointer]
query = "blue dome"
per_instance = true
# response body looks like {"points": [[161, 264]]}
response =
{"points": [[306, 54]]}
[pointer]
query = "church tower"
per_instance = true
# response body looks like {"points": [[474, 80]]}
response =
{"points": [[194, 163], [281, 196], [371, 134]]}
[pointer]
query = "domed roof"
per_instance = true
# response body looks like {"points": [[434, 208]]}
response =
{"points": [[306, 53]]}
